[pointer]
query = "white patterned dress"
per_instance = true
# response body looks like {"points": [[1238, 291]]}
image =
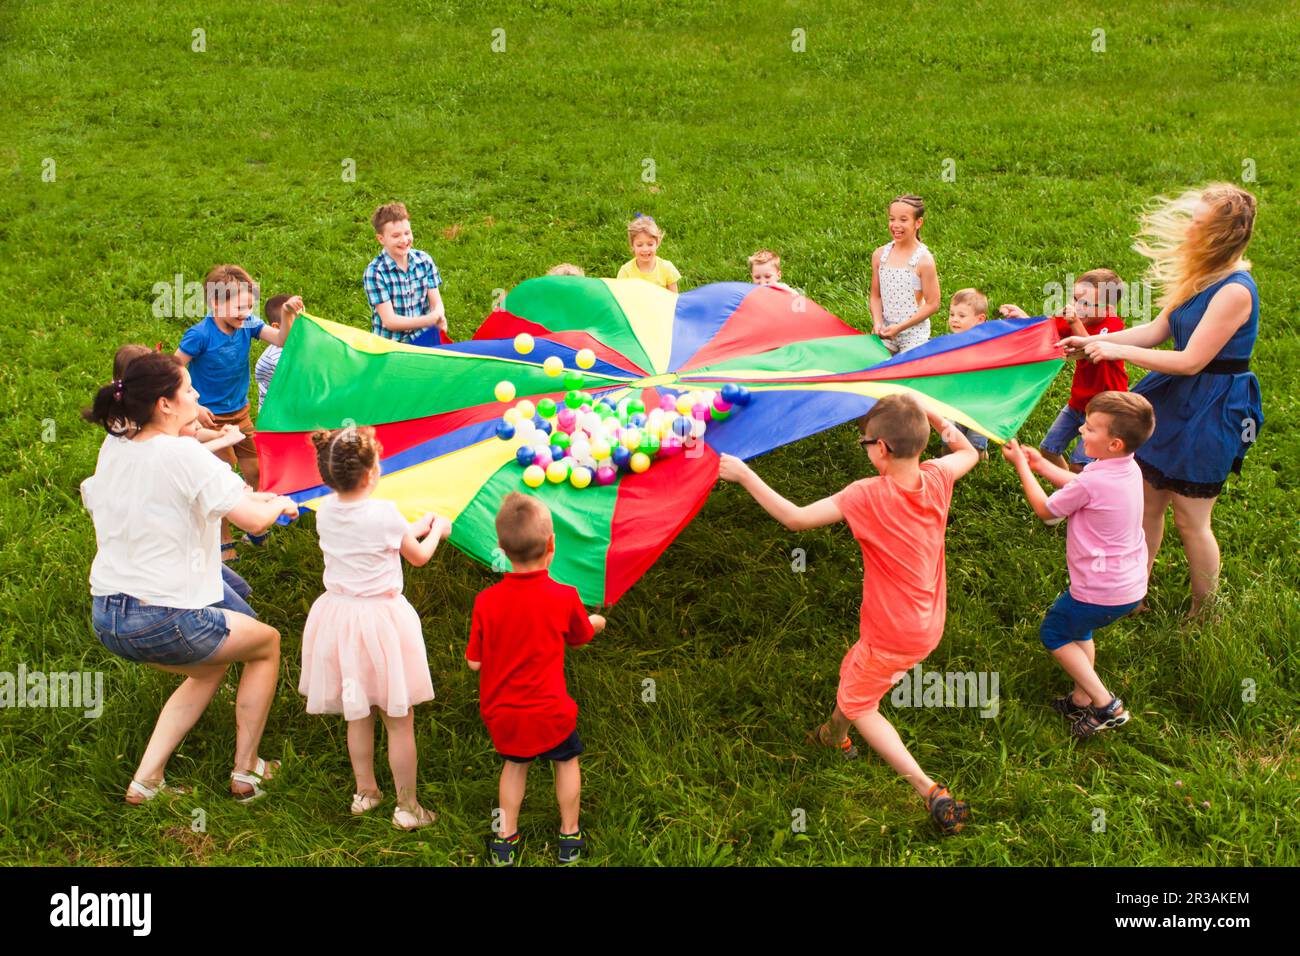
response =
{"points": [[898, 288]]}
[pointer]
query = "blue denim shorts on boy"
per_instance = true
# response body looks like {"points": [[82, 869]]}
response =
{"points": [[567, 749], [152, 634], [980, 442], [1069, 620], [1063, 431]]}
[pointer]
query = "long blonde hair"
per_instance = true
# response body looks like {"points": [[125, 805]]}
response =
{"points": [[1183, 265]]}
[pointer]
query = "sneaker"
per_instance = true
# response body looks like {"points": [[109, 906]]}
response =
{"points": [[821, 737], [570, 847], [948, 814], [1067, 708], [1096, 719], [502, 851]]}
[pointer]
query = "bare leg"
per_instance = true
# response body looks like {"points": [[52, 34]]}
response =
{"points": [[884, 740], [402, 758], [1154, 505], [1077, 662], [361, 751], [1192, 519], [839, 725], [257, 645], [510, 794], [182, 710], [568, 789]]}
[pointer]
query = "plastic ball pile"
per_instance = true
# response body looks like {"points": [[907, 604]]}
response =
{"points": [[587, 440]]}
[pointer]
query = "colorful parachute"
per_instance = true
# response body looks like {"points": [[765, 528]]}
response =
{"points": [[435, 412]]}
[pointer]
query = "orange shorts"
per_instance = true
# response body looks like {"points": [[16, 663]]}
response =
{"points": [[866, 675]]}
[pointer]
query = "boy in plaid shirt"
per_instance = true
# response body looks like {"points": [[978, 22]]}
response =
{"points": [[402, 282]]}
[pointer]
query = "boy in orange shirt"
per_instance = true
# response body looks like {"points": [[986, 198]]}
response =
{"points": [[899, 518]]}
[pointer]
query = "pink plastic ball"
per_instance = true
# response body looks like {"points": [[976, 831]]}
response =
{"points": [[721, 404], [566, 419], [671, 445], [668, 402], [543, 459], [700, 412], [605, 475]]}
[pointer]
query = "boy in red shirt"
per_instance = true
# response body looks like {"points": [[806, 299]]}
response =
{"points": [[1096, 296], [899, 518], [520, 628]]}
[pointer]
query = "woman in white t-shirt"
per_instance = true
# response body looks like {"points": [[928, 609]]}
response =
{"points": [[157, 500]]}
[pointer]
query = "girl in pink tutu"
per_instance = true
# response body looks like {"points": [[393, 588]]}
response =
{"points": [[362, 649]]}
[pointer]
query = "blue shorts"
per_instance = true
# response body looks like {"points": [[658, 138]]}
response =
{"points": [[235, 592], [1069, 620], [566, 749], [1063, 431], [152, 634]]}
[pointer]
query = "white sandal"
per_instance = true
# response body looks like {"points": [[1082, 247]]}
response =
{"points": [[147, 793], [406, 820], [264, 771], [365, 802]]}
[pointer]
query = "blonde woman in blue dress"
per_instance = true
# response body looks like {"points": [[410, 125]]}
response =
{"points": [[1206, 399], [904, 280]]}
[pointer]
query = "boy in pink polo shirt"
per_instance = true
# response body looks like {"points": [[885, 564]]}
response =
{"points": [[1104, 546]]}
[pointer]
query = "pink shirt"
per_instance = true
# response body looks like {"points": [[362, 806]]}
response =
{"points": [[362, 542], [1104, 544]]}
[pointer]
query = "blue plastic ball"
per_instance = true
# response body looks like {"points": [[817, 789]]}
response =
{"points": [[557, 452], [637, 420], [543, 424], [729, 392], [742, 396], [505, 431], [681, 426], [622, 457], [525, 455]]}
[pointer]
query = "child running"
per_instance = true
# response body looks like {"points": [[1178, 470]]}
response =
{"points": [[644, 236], [899, 518], [1104, 546], [904, 280], [520, 628], [362, 649]]}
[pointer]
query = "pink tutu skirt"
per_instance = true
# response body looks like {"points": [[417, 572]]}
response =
{"points": [[359, 653]]}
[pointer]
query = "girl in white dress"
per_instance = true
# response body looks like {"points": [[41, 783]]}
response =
{"points": [[904, 281]]}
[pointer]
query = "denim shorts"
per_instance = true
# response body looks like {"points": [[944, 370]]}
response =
{"points": [[566, 749], [1070, 620], [235, 592], [152, 634], [1063, 431]]}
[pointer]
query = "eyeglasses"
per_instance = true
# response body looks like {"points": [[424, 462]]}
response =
{"points": [[864, 442]]}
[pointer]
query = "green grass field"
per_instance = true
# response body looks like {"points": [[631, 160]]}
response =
{"points": [[131, 158]]}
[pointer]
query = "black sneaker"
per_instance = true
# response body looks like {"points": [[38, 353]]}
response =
{"points": [[1067, 708], [570, 848], [1096, 719], [948, 814], [502, 851]]}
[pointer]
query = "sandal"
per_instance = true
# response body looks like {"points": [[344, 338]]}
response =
{"points": [[1094, 719], [145, 793], [950, 815], [570, 848], [264, 771], [228, 553], [821, 737], [413, 820], [365, 802], [503, 850]]}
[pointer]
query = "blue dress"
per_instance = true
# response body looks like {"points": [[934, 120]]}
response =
{"points": [[1205, 423]]}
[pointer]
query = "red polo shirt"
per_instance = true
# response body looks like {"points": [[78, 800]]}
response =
{"points": [[1092, 378], [519, 631]]}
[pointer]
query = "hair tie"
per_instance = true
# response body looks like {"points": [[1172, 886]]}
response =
{"points": [[117, 389]]}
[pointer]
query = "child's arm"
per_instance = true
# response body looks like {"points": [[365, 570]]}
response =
{"points": [[962, 456], [216, 440], [474, 665], [422, 540], [794, 517], [1145, 336], [1033, 490], [1058, 476], [437, 311], [1076, 323], [597, 622], [393, 322], [671, 287], [877, 322], [256, 512], [288, 312]]}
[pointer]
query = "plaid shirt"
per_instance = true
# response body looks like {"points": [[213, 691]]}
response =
{"points": [[408, 291]]}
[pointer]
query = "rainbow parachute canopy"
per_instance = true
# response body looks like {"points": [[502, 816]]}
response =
{"points": [[436, 412]]}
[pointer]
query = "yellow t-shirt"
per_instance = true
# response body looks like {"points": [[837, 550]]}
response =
{"points": [[664, 273]]}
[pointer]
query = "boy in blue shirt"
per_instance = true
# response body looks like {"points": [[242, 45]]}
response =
{"points": [[216, 350], [402, 282]]}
